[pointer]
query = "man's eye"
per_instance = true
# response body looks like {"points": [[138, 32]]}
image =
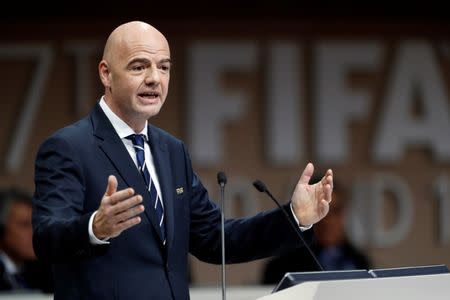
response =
{"points": [[137, 68], [165, 67]]}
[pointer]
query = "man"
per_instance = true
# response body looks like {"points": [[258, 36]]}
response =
{"points": [[132, 240], [331, 246], [19, 269]]}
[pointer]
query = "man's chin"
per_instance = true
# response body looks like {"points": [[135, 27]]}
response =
{"points": [[155, 110], [149, 113]]}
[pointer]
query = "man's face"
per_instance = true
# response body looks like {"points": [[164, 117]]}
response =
{"points": [[18, 233], [139, 73]]}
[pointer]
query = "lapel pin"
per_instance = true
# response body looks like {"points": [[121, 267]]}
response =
{"points": [[179, 190]]}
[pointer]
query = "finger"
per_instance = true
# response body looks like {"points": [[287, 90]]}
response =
{"points": [[325, 207], [121, 195], [129, 213], [126, 204], [330, 177], [326, 178], [307, 173], [328, 193], [127, 224], [111, 188]]}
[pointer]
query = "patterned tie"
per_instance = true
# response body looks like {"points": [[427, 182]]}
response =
{"points": [[138, 144]]}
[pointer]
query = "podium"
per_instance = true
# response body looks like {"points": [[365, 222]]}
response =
{"points": [[413, 283], [433, 287]]}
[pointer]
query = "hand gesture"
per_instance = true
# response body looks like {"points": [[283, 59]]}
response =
{"points": [[311, 202], [118, 211]]}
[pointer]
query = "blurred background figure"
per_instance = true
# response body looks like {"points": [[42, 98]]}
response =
{"points": [[19, 268], [331, 245]]}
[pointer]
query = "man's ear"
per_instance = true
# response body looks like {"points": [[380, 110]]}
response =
{"points": [[104, 73]]}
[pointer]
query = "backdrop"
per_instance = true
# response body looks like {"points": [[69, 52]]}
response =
{"points": [[259, 97]]}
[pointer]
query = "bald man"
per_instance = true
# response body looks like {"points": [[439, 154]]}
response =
{"points": [[117, 206]]}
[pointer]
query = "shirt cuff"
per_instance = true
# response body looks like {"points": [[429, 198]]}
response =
{"points": [[92, 238], [302, 228]]}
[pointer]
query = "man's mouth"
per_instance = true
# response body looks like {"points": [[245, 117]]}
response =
{"points": [[149, 95]]}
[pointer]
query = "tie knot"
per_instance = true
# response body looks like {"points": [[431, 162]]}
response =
{"points": [[137, 139]]}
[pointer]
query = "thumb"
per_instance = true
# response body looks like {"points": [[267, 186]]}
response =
{"points": [[307, 173], [112, 185]]}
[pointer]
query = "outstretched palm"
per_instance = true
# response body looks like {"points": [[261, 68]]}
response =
{"points": [[311, 202]]}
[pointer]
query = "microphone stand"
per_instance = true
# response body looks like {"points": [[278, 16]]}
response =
{"points": [[261, 187], [222, 180]]}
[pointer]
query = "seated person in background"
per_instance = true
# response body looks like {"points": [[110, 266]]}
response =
{"points": [[19, 269], [331, 245]]}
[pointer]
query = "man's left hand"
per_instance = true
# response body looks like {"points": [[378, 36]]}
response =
{"points": [[311, 202]]}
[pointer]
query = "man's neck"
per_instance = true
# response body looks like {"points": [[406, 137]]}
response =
{"points": [[114, 115]]}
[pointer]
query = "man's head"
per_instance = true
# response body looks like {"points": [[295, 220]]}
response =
{"points": [[15, 225], [330, 231], [135, 71]]}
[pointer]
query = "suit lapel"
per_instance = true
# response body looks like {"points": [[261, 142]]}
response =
{"points": [[113, 147], [163, 169]]}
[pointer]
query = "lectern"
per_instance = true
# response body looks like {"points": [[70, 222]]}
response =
{"points": [[294, 278], [411, 283]]}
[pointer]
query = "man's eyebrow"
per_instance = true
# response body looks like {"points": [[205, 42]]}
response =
{"points": [[146, 61], [139, 60], [165, 60]]}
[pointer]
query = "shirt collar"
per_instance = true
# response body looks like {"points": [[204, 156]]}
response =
{"points": [[122, 128]]}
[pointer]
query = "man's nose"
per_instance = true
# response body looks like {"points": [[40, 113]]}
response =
{"points": [[152, 76]]}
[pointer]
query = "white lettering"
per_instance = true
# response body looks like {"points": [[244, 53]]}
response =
{"points": [[337, 103], [442, 191], [284, 109], [415, 75], [83, 52], [210, 106], [43, 54]]}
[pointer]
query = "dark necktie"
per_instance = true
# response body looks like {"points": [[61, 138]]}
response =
{"points": [[138, 144]]}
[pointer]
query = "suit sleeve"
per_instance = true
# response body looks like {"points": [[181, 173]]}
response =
{"points": [[60, 225], [263, 235]]}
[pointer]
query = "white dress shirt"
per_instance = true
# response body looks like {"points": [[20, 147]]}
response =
{"points": [[123, 130]]}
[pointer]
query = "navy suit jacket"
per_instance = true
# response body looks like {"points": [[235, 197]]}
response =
{"points": [[72, 167]]}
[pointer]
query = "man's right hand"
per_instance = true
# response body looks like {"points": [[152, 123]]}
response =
{"points": [[118, 211]]}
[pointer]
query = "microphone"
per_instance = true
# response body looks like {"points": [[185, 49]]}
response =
{"points": [[222, 180], [261, 187]]}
